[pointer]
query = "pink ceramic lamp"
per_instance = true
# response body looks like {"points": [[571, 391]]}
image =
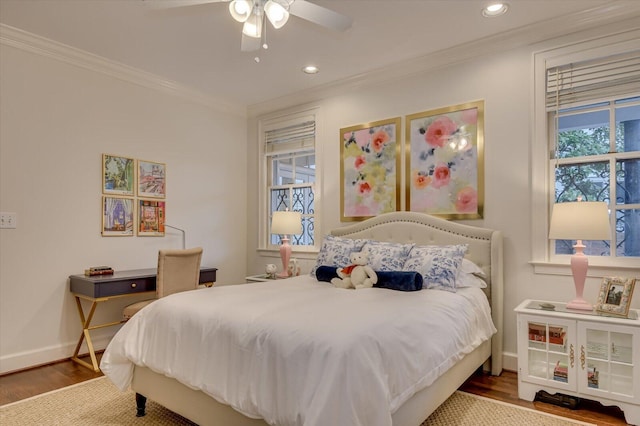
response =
{"points": [[579, 221], [286, 223]]}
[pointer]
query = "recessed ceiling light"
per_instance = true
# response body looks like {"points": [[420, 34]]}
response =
{"points": [[495, 9], [310, 69]]}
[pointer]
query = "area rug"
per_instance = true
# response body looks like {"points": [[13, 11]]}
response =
{"points": [[98, 402]]}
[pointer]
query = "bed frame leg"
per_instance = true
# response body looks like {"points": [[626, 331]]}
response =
{"points": [[141, 402]]}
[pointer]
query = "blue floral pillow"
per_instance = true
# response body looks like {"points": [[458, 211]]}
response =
{"points": [[385, 256], [335, 251], [438, 265]]}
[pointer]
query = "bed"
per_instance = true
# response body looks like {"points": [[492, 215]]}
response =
{"points": [[294, 389]]}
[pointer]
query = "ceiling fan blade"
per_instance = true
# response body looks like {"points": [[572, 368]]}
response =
{"points": [[250, 44], [320, 15], [171, 4]]}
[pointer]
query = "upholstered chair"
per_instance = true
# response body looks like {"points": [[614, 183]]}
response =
{"points": [[178, 270]]}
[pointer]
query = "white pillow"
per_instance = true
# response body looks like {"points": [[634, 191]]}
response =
{"points": [[386, 256], [471, 268], [470, 275], [438, 265], [335, 251]]}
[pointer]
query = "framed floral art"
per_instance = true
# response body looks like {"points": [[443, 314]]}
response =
{"points": [[445, 161], [369, 165]]}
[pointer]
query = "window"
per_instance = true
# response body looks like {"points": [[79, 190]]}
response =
{"points": [[289, 162], [597, 158], [586, 145]]}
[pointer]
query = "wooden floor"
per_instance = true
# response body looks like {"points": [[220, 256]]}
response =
{"points": [[24, 384]]}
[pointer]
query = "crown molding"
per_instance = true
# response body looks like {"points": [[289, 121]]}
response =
{"points": [[624, 13], [29, 42]]}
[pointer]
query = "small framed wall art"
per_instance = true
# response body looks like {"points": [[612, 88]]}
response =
{"points": [[151, 215], [369, 169], [151, 179], [445, 161], [117, 216], [118, 175], [615, 296]]}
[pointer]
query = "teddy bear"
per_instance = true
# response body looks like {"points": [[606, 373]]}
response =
{"points": [[358, 274]]}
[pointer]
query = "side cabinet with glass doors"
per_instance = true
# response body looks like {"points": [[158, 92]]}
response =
{"points": [[582, 354]]}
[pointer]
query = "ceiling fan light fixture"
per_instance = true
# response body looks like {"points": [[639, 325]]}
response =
{"points": [[277, 12], [240, 10], [253, 26]]}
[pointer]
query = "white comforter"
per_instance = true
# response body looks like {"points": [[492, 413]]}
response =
{"points": [[301, 352]]}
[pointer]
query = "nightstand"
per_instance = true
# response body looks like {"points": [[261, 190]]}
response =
{"points": [[579, 353]]}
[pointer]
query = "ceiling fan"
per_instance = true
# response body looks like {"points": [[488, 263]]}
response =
{"points": [[254, 13]]}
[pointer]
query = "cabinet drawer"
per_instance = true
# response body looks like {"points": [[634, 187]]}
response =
{"points": [[114, 285], [115, 288]]}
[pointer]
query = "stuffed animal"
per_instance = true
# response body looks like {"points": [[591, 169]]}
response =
{"points": [[271, 270], [293, 269], [357, 275]]}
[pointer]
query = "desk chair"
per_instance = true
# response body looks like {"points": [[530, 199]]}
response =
{"points": [[178, 270]]}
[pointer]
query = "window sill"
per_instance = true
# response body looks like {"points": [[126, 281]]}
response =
{"points": [[595, 270]]}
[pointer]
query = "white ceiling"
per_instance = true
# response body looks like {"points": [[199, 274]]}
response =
{"points": [[199, 46]]}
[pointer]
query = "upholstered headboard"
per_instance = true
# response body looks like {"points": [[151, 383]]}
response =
{"points": [[485, 250]]}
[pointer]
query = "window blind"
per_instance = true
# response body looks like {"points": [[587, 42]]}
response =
{"points": [[293, 138], [586, 82]]}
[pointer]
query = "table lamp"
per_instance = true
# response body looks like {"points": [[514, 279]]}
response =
{"points": [[581, 220], [285, 223], [183, 234]]}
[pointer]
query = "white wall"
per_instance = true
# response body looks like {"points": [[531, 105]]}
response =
{"points": [[504, 81], [56, 121]]}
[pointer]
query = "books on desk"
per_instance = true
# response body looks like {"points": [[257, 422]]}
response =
{"points": [[98, 270]]}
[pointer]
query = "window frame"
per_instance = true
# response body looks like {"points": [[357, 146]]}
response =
{"points": [[265, 124], [542, 174]]}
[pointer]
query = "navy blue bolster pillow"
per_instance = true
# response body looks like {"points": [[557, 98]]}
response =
{"points": [[326, 273], [394, 280], [399, 280]]}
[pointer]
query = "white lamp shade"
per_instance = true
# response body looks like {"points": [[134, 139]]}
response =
{"points": [[253, 26], [286, 223], [240, 10], [580, 220], [277, 13]]}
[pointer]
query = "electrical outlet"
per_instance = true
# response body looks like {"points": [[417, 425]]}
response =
{"points": [[8, 220]]}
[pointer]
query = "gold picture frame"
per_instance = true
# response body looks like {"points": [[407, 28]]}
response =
{"points": [[151, 179], [615, 296], [444, 161], [118, 175], [370, 169], [118, 216], [151, 216]]}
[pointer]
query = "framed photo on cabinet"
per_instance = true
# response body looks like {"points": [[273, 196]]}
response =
{"points": [[445, 161], [615, 296]]}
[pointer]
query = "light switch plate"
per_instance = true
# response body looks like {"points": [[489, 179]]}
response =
{"points": [[8, 220]]}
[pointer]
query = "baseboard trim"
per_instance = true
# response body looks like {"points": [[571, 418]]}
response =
{"points": [[510, 361], [49, 355]]}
